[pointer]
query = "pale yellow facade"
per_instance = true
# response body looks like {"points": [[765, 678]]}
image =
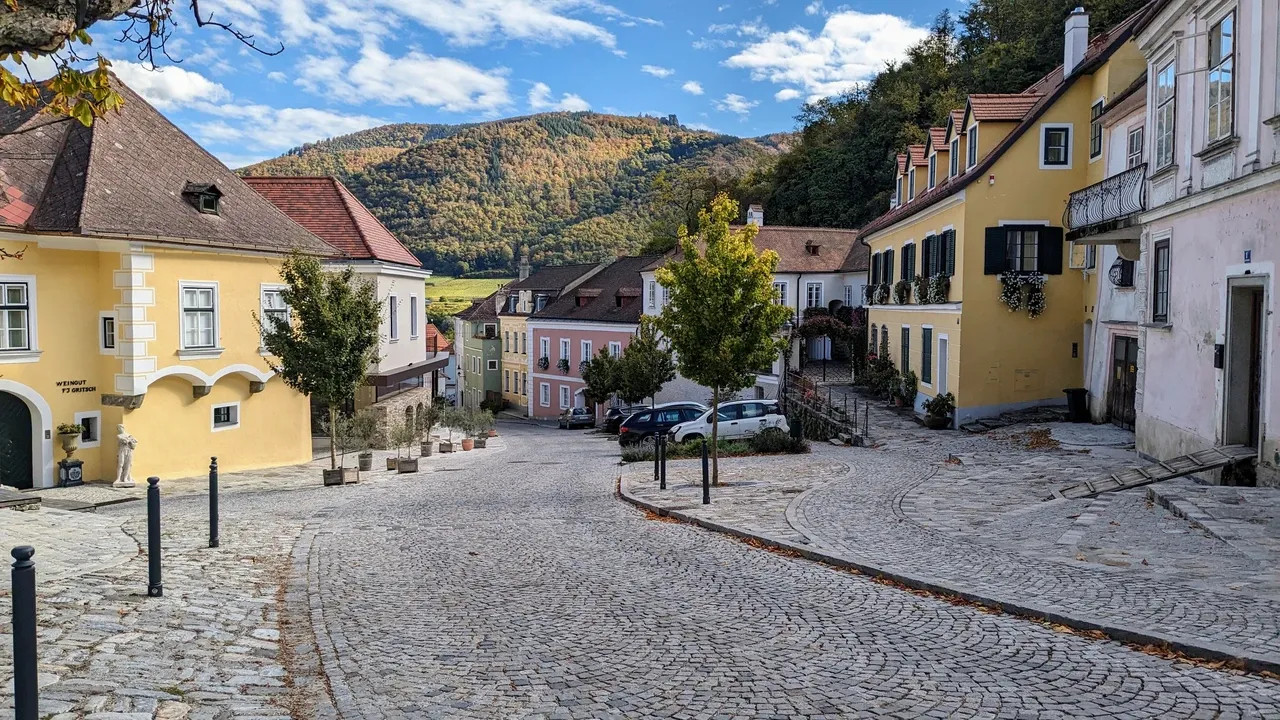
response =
{"points": [[515, 360]]}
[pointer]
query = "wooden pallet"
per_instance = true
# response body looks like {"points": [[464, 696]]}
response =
{"points": [[1210, 459]]}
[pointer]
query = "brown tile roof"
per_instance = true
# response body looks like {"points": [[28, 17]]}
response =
{"points": [[619, 281], [1097, 53], [938, 138], [436, 341], [1002, 108], [327, 208], [553, 277], [955, 119], [917, 155], [902, 163], [124, 177], [838, 249], [481, 310]]}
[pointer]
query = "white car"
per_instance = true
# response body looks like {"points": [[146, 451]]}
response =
{"points": [[738, 419]]}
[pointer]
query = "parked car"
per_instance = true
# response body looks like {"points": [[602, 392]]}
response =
{"points": [[577, 418], [614, 416], [644, 427], [738, 419]]}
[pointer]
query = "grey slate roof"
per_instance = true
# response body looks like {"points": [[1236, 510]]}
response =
{"points": [[602, 292]]}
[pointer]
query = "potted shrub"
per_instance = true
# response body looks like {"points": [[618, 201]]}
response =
{"points": [[484, 423], [908, 388], [449, 419], [467, 424], [405, 434], [428, 419], [338, 428], [69, 436], [364, 428], [938, 410]]}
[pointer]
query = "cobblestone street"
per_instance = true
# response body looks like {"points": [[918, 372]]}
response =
{"points": [[511, 582]]}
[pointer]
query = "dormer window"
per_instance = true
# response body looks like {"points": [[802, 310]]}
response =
{"points": [[911, 184], [933, 170], [205, 197], [811, 249]]}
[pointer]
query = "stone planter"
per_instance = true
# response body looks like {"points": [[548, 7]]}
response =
{"points": [[427, 447], [366, 461], [446, 446], [70, 442], [480, 442], [937, 422], [467, 444], [391, 463], [340, 476], [407, 465]]}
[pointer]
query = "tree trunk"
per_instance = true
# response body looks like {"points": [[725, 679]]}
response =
{"points": [[715, 436], [333, 438]]}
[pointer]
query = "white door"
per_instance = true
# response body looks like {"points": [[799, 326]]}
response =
{"points": [[942, 364]]}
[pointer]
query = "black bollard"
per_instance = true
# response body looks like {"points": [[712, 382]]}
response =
{"points": [[662, 445], [706, 476], [155, 588], [213, 502], [26, 690], [657, 456]]}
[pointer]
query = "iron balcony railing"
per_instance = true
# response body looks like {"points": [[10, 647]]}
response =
{"points": [[1119, 196]]}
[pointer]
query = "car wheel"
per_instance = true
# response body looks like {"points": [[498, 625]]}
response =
{"points": [[648, 441]]}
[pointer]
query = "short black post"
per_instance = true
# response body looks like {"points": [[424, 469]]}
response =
{"points": [[662, 452], [26, 692], [706, 476], [213, 502], [155, 588], [657, 456]]}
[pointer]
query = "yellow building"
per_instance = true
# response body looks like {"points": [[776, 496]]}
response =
{"points": [[517, 302], [977, 217], [133, 264]]}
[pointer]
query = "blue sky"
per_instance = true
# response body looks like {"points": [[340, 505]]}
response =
{"points": [[742, 67]]}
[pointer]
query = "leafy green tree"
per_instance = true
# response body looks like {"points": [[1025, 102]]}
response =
{"points": [[646, 364], [326, 349], [601, 376], [721, 322]]}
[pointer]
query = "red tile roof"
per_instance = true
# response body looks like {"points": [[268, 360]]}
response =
{"points": [[954, 120], [902, 163], [327, 208], [1002, 108], [938, 138], [917, 155], [436, 341]]}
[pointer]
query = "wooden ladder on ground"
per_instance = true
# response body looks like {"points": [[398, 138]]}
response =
{"points": [[1210, 459]]}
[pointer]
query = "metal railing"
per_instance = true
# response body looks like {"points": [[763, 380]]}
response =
{"points": [[1117, 197]]}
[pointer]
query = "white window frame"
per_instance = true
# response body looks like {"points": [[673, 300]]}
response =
{"points": [[103, 346], [933, 170], [911, 183], [263, 289], [96, 416], [544, 394], [235, 417], [848, 295], [1095, 125], [564, 349], [199, 350], [393, 318], [544, 344], [1165, 123], [584, 346], [413, 317], [653, 293], [666, 295], [524, 343], [1045, 128], [566, 397], [31, 352], [808, 295], [615, 349], [491, 365], [1227, 65], [971, 141], [954, 158], [780, 292], [1133, 159]]}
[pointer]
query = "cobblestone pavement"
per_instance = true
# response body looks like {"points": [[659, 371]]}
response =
{"points": [[527, 590]]}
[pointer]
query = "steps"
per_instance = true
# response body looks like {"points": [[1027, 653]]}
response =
{"points": [[1210, 459]]}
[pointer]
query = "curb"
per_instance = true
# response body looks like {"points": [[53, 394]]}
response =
{"points": [[1198, 650]]}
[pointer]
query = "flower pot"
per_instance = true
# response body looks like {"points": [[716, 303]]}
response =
{"points": [[70, 441], [391, 463], [493, 433], [468, 444], [446, 446], [897, 401], [339, 476], [366, 460], [937, 422], [407, 465], [427, 447], [480, 442]]}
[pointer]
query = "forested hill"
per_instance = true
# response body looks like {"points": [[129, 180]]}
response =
{"points": [[569, 187]]}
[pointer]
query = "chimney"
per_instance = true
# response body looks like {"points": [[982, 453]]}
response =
{"points": [[755, 215], [524, 267], [1077, 41]]}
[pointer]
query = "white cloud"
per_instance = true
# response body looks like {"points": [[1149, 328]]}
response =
{"points": [[693, 87], [851, 48], [701, 126], [786, 94], [657, 71], [169, 87], [277, 76], [261, 127], [414, 78], [540, 99], [736, 104], [813, 8]]}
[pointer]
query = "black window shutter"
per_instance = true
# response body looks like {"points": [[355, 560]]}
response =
{"points": [[1050, 259], [936, 264], [993, 259], [875, 268], [950, 251], [888, 265], [1126, 273], [911, 264]]}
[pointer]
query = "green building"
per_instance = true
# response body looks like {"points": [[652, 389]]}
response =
{"points": [[478, 343]]}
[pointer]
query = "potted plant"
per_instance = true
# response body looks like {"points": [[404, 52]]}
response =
{"points": [[544, 362], [563, 365], [467, 424], [364, 428], [69, 436], [338, 428], [404, 436], [484, 421], [938, 410], [429, 418], [449, 419], [908, 388]]}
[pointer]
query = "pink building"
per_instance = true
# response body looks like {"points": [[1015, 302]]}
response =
{"points": [[602, 312]]}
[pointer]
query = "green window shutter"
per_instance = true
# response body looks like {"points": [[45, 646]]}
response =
{"points": [[906, 349], [909, 267], [875, 268], [935, 255], [888, 265], [926, 355], [1050, 251], [950, 252], [993, 258]]}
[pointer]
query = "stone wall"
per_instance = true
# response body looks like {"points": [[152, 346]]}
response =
{"points": [[392, 410]]}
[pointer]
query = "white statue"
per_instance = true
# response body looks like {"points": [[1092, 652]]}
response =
{"points": [[125, 444]]}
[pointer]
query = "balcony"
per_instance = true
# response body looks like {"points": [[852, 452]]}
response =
{"points": [[1106, 213]]}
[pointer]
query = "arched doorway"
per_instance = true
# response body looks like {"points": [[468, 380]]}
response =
{"points": [[15, 442]]}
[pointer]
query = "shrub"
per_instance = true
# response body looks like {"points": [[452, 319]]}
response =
{"points": [[940, 406], [909, 387], [882, 375], [774, 441]]}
